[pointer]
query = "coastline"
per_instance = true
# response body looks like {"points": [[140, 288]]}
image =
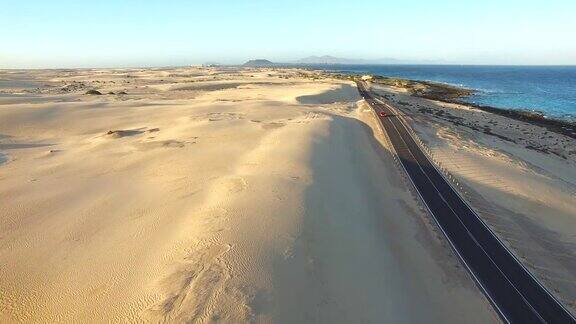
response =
{"points": [[454, 94], [449, 93]]}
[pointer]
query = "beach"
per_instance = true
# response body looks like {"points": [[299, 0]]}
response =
{"points": [[219, 194]]}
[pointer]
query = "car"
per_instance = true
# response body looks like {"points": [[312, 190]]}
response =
{"points": [[383, 114]]}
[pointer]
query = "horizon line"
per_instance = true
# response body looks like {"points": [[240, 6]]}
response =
{"points": [[278, 64]]}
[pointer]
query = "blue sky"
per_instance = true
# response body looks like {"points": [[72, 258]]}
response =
{"points": [[42, 33]]}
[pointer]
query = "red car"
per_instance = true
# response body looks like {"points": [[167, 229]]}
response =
{"points": [[383, 114]]}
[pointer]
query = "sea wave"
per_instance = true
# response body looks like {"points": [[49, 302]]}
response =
{"points": [[551, 90]]}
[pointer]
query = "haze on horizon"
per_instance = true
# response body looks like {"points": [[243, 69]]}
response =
{"points": [[43, 34]]}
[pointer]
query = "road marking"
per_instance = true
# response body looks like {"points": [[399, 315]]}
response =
{"points": [[470, 210]]}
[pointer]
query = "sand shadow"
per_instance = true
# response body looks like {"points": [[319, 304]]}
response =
{"points": [[334, 236], [13, 146], [208, 87], [346, 93], [125, 132]]}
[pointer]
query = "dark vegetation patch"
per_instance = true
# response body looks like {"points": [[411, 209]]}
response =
{"points": [[93, 92], [488, 131], [425, 89], [563, 127], [122, 133], [460, 121]]}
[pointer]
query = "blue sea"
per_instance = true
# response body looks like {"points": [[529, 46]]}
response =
{"points": [[550, 90]]}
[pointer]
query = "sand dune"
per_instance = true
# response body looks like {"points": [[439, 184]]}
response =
{"points": [[268, 201]]}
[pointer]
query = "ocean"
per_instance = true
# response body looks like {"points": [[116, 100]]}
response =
{"points": [[550, 90]]}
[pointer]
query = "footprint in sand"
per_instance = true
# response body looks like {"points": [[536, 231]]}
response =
{"points": [[218, 116], [235, 185], [191, 291], [162, 144], [273, 125]]}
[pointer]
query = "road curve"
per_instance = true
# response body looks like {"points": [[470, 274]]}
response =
{"points": [[516, 295]]}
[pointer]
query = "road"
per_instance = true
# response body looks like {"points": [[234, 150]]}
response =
{"points": [[516, 295]]}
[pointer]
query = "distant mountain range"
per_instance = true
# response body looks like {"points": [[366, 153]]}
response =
{"points": [[327, 59]]}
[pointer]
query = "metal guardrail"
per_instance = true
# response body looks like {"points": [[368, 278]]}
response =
{"points": [[451, 181]]}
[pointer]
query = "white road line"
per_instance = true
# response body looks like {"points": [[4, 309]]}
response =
{"points": [[492, 232], [474, 213]]}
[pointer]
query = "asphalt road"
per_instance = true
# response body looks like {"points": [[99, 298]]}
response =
{"points": [[515, 294]]}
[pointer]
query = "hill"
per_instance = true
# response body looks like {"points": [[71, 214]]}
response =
{"points": [[258, 63]]}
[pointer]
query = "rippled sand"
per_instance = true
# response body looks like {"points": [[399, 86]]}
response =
{"points": [[200, 194]]}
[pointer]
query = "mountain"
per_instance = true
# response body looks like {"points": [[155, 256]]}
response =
{"points": [[258, 63]]}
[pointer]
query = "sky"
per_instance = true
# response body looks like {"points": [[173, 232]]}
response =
{"points": [[107, 33]]}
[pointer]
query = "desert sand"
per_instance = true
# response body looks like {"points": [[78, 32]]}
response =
{"points": [[520, 177], [220, 195]]}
